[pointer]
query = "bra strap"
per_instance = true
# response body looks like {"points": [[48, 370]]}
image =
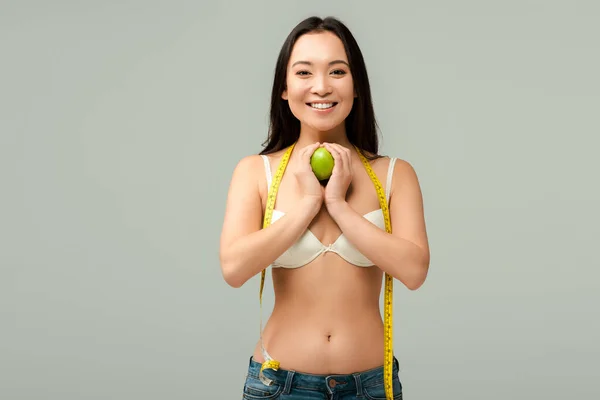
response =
{"points": [[267, 170], [388, 184]]}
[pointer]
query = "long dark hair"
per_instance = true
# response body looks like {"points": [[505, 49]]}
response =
{"points": [[361, 126]]}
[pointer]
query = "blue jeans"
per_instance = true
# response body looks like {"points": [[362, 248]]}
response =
{"points": [[291, 385]]}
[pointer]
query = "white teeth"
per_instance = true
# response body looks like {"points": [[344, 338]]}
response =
{"points": [[321, 106]]}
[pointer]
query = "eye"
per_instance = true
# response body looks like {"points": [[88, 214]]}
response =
{"points": [[339, 72], [302, 73]]}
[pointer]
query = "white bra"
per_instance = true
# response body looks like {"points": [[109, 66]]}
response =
{"points": [[308, 247]]}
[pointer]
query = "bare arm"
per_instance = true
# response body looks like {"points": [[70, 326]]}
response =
{"points": [[246, 249], [404, 254]]}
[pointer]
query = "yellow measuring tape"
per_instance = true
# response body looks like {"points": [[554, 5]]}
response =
{"points": [[389, 283], [388, 337], [276, 180]]}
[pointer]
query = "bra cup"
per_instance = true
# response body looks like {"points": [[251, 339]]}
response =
{"points": [[276, 215], [376, 218], [308, 247], [348, 252]]}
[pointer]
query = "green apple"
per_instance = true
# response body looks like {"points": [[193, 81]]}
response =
{"points": [[322, 163]]}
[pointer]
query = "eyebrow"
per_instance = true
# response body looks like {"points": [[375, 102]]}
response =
{"points": [[330, 64]]}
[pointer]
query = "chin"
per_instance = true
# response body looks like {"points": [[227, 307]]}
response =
{"points": [[323, 126]]}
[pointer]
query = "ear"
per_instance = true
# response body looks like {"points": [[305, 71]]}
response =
{"points": [[284, 95]]}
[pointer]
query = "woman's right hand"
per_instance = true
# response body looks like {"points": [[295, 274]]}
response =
{"points": [[310, 187]]}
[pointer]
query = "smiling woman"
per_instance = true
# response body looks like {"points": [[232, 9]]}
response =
{"points": [[317, 86], [329, 243]]}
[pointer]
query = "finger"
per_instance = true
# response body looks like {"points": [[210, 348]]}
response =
{"points": [[340, 149], [311, 147], [332, 147], [308, 151], [348, 156], [338, 165]]}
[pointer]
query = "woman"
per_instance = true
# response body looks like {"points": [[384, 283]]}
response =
{"points": [[327, 242]]}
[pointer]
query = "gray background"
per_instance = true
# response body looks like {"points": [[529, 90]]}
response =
{"points": [[121, 123]]}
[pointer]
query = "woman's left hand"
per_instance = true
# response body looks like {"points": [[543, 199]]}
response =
{"points": [[340, 179]]}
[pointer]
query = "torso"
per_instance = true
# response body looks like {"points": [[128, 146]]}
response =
{"points": [[326, 317]]}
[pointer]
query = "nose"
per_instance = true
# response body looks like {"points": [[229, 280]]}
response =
{"points": [[321, 85]]}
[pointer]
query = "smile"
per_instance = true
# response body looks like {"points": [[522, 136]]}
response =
{"points": [[322, 106]]}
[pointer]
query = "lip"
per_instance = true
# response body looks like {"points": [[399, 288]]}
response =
{"points": [[320, 111]]}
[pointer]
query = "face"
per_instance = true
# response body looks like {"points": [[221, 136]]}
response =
{"points": [[320, 90]]}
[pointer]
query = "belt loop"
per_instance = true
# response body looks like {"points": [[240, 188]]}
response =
{"points": [[288, 382], [359, 389]]}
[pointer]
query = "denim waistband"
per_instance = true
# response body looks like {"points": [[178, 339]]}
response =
{"points": [[354, 382]]}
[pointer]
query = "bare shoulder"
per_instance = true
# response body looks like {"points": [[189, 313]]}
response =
{"points": [[275, 156], [405, 185], [249, 173], [404, 173], [252, 162]]}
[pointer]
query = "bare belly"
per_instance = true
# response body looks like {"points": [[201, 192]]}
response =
{"points": [[326, 318]]}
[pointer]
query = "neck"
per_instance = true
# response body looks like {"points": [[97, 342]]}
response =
{"points": [[337, 135]]}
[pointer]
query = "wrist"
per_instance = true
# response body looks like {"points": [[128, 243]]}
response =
{"points": [[311, 204], [337, 207]]}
